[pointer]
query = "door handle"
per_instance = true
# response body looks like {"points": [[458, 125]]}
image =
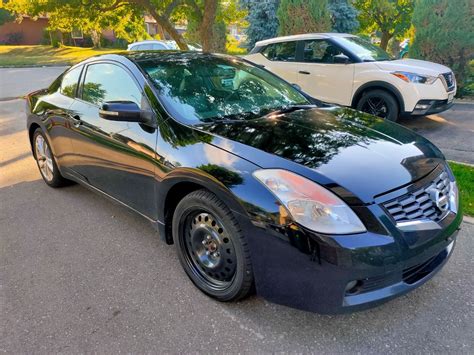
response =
{"points": [[304, 72]]}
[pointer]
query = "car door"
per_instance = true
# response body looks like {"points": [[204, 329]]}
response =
{"points": [[57, 115], [319, 73], [115, 157], [279, 58]]}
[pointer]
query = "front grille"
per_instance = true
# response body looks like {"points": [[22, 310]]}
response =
{"points": [[421, 203], [449, 80]]}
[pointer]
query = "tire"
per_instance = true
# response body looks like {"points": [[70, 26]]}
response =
{"points": [[379, 103], [46, 161], [211, 247]]}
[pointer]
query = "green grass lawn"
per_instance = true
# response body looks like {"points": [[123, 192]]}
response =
{"points": [[46, 55], [465, 179]]}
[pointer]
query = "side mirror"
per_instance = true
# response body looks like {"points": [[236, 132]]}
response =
{"points": [[341, 59], [296, 86], [122, 111]]}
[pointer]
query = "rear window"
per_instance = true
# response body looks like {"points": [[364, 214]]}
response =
{"points": [[282, 52], [69, 82]]}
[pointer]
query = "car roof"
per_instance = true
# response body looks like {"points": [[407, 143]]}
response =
{"points": [[147, 41], [302, 37], [139, 56]]}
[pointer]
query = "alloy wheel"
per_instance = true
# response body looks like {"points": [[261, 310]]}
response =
{"points": [[44, 157], [376, 106]]}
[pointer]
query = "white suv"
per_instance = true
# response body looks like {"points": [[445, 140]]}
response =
{"points": [[348, 70], [156, 45]]}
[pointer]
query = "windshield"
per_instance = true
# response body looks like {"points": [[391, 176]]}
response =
{"points": [[198, 88], [363, 49]]}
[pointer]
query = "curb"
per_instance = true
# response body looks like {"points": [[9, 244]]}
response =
{"points": [[464, 101], [461, 163], [58, 65], [468, 219]]}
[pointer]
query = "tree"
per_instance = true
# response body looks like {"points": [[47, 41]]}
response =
{"points": [[343, 16], [227, 12], [5, 16], [262, 19], [303, 16], [161, 10], [65, 16], [391, 17], [444, 34]]}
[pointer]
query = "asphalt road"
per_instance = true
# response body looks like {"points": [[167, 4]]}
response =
{"points": [[80, 274]]}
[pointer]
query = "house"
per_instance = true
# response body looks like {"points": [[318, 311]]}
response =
{"points": [[28, 31]]}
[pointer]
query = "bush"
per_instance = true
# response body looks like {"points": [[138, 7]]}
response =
{"points": [[303, 16], [14, 38], [443, 34]]}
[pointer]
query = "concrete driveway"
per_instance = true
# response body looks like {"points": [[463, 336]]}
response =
{"points": [[80, 274]]}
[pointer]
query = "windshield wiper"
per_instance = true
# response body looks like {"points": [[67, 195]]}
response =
{"points": [[290, 108], [243, 116]]}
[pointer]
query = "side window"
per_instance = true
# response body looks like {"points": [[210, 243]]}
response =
{"points": [[69, 82], [146, 47], [283, 52], [108, 82], [158, 46], [320, 51]]}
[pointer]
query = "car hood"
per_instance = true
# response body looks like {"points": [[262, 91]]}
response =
{"points": [[336, 147], [413, 66]]}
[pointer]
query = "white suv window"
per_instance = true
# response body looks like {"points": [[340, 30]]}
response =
{"points": [[320, 51], [282, 52]]}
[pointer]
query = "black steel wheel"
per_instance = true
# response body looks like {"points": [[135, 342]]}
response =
{"points": [[211, 247], [379, 103]]}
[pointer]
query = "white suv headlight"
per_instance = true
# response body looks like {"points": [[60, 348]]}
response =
{"points": [[310, 204], [415, 78]]}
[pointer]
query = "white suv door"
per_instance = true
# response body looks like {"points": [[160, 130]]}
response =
{"points": [[321, 76]]}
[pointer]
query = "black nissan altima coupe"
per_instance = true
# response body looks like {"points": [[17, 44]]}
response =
{"points": [[258, 186]]}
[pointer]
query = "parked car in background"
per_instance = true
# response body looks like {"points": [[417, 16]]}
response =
{"points": [[156, 45], [348, 70], [324, 209]]}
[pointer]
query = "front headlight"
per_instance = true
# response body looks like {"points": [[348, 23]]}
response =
{"points": [[415, 78], [310, 204]]}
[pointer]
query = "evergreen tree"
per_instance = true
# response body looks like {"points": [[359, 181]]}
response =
{"points": [[303, 16], [343, 16], [444, 34], [262, 19]]}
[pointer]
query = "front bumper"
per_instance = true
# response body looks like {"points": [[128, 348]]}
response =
{"points": [[314, 279], [306, 270], [429, 107]]}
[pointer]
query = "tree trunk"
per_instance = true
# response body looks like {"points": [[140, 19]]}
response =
{"points": [[206, 29], [165, 24], [384, 40], [95, 36]]}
